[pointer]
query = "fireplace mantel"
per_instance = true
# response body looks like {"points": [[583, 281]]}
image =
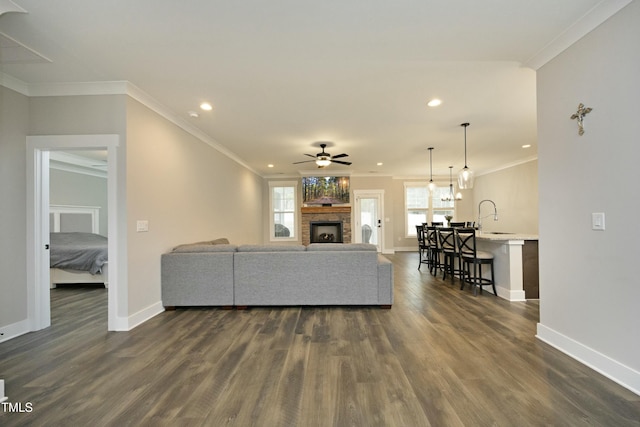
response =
{"points": [[326, 213], [326, 209]]}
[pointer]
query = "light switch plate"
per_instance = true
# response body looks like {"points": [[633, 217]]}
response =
{"points": [[597, 221], [142, 225]]}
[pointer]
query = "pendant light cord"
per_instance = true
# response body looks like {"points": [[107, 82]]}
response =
{"points": [[465, 143], [430, 164]]}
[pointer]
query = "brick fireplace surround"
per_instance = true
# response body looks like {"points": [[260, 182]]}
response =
{"points": [[326, 213]]}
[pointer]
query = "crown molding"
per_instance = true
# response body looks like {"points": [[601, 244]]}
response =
{"points": [[14, 84], [7, 6], [78, 88], [587, 23], [117, 88], [139, 95], [507, 166]]}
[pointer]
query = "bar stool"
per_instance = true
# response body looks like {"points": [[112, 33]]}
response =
{"points": [[447, 240], [423, 249], [434, 249], [466, 239]]}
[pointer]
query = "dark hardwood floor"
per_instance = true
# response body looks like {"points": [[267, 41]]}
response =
{"points": [[439, 357]]}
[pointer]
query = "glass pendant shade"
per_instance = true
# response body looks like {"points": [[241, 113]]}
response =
{"points": [[465, 178], [451, 197]]}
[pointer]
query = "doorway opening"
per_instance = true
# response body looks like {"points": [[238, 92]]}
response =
{"points": [[38, 223], [368, 217]]}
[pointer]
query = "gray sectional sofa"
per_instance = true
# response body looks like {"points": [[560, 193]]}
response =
{"points": [[269, 275]]}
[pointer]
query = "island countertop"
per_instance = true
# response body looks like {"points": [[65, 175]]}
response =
{"points": [[493, 235]]}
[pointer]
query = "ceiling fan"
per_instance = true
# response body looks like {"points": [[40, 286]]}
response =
{"points": [[325, 159]]}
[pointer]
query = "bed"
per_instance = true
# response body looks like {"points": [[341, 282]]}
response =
{"points": [[78, 254]]}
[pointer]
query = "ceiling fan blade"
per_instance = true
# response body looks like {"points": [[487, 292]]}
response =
{"points": [[306, 161], [310, 155], [341, 162], [340, 155]]}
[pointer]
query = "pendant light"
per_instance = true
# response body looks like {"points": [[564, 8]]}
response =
{"points": [[451, 197], [465, 176], [432, 185]]}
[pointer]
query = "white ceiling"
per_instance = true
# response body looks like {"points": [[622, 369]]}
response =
{"points": [[285, 74]]}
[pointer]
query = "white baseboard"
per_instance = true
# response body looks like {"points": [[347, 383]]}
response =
{"points": [[145, 314], [612, 369], [511, 295], [406, 249], [14, 330]]}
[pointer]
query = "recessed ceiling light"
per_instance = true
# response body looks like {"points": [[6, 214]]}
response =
{"points": [[434, 102], [269, 165], [206, 106], [379, 163], [526, 146]]}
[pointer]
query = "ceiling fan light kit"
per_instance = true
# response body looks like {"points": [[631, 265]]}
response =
{"points": [[324, 159]]}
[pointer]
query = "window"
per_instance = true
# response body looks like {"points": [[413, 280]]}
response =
{"points": [[282, 202], [421, 207], [441, 208], [416, 205]]}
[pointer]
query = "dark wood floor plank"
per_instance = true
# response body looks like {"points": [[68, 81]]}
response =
{"points": [[439, 357]]}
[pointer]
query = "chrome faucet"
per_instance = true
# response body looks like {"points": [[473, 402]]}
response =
{"points": [[495, 213]]}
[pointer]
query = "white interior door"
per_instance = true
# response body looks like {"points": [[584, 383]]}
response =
{"points": [[369, 217]]}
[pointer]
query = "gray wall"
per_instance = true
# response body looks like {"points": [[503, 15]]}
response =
{"points": [[77, 189], [187, 190], [515, 193], [166, 176], [589, 289], [14, 109]]}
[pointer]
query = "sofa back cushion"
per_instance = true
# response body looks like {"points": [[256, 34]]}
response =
{"points": [[271, 248], [341, 247], [203, 247]]}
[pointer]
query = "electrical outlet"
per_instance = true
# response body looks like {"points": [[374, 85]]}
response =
{"points": [[142, 225]]}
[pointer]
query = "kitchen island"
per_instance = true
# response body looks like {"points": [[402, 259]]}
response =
{"points": [[515, 263]]}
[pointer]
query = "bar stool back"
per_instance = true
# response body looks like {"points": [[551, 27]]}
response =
{"points": [[434, 250], [447, 240], [423, 249]]}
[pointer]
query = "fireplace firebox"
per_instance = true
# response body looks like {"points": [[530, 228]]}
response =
{"points": [[326, 232]]}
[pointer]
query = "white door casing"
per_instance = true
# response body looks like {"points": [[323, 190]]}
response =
{"points": [[369, 213], [38, 148]]}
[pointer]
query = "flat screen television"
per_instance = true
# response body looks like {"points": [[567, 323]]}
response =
{"points": [[325, 190]]}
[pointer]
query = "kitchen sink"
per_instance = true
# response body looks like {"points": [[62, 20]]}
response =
{"points": [[497, 232]]}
